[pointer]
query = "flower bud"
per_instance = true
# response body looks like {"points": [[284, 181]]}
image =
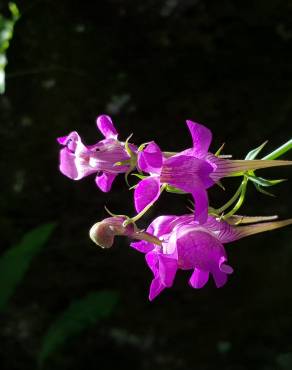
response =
{"points": [[103, 233]]}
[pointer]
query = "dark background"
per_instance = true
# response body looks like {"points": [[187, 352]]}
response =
{"points": [[150, 65]]}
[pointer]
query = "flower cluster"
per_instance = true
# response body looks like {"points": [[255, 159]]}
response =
{"points": [[194, 241]]}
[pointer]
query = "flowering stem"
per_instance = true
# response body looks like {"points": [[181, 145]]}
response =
{"points": [[231, 201], [280, 151], [142, 235], [240, 200], [240, 192], [142, 213], [138, 216]]}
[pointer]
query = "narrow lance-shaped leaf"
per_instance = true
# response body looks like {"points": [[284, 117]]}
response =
{"points": [[263, 191], [264, 182], [253, 153], [16, 260], [174, 190], [77, 317], [141, 177]]}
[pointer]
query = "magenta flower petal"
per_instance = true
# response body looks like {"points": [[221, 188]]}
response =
{"points": [[189, 245], [104, 181], [67, 164], [199, 278], [186, 245], [219, 277], [150, 159], [146, 192], [152, 261], [161, 225], [71, 141], [62, 140], [201, 203], [224, 231], [183, 171], [164, 270], [191, 175], [142, 246], [167, 269], [74, 157], [201, 136], [78, 160], [106, 127], [156, 288]]}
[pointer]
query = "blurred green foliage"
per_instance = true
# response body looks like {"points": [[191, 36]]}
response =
{"points": [[78, 316], [16, 260], [6, 34]]}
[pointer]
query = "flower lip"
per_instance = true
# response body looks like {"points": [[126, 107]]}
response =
{"points": [[201, 137], [106, 127], [150, 159]]}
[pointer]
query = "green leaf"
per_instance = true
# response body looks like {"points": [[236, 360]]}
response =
{"points": [[14, 11], [77, 317], [253, 153], [264, 182], [6, 34], [261, 190], [219, 150], [172, 189], [141, 177], [127, 147], [219, 183], [16, 260]]}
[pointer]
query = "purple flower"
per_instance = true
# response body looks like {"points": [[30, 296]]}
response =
{"points": [[78, 160], [187, 245], [193, 170], [183, 171]]}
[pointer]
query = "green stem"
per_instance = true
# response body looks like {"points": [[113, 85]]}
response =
{"points": [[242, 188], [240, 200], [231, 201], [280, 151], [142, 213], [142, 235]]}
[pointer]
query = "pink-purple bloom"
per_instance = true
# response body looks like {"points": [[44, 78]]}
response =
{"points": [[193, 170], [188, 171], [103, 158], [184, 171], [187, 245], [173, 243], [189, 242], [182, 243]]}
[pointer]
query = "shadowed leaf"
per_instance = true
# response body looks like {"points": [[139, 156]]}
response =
{"points": [[78, 316], [16, 260]]}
